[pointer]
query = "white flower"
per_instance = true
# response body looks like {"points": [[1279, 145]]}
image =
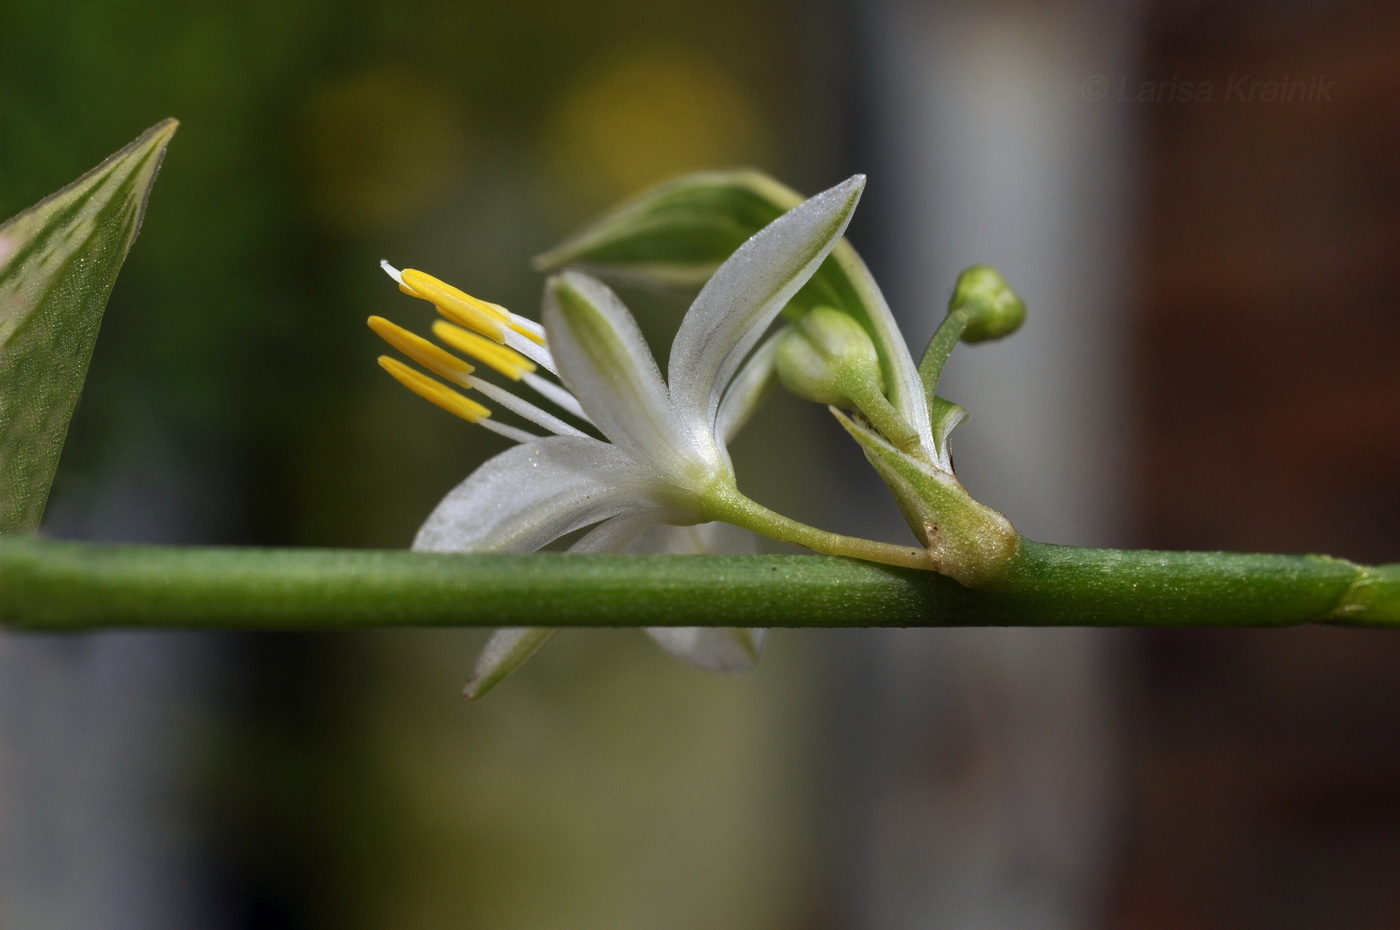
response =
{"points": [[663, 458]]}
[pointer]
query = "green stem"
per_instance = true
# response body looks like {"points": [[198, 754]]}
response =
{"points": [[727, 503], [57, 586], [944, 341]]}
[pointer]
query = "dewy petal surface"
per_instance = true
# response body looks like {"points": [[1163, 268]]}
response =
{"points": [[736, 305], [529, 496], [604, 359]]}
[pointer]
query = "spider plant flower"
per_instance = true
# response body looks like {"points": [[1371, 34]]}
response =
{"points": [[842, 348], [622, 450]]}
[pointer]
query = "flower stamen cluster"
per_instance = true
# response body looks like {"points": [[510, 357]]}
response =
{"points": [[488, 333]]}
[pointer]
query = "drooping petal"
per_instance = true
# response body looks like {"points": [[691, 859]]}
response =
{"points": [[605, 361], [504, 652], [529, 496], [715, 649], [735, 307]]}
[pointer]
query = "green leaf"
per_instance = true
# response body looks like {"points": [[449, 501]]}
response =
{"points": [[58, 262], [677, 234]]}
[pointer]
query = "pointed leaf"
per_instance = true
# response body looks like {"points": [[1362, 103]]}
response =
{"points": [[677, 234], [58, 262]]}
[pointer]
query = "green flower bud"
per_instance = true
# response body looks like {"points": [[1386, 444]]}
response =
{"points": [[992, 308], [829, 358]]}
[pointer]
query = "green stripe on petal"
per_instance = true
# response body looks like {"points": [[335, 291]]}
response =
{"points": [[677, 234], [605, 361]]}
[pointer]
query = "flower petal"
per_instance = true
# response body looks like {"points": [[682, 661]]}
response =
{"points": [[616, 534], [903, 386], [532, 494], [504, 652], [605, 361], [715, 649], [735, 307]]}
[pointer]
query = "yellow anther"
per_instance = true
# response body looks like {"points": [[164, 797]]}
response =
{"points": [[475, 314], [434, 391], [502, 358], [439, 361]]}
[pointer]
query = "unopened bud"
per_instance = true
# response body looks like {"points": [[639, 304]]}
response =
{"points": [[829, 358], [991, 307]]}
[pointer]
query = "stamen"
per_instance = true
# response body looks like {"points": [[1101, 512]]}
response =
{"points": [[434, 391], [391, 271], [560, 397], [539, 354], [512, 433], [461, 312], [502, 358], [524, 408], [462, 308], [440, 362]]}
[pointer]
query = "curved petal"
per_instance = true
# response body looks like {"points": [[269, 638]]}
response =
{"points": [[530, 495], [604, 360], [716, 649], [748, 291], [504, 652], [903, 386]]}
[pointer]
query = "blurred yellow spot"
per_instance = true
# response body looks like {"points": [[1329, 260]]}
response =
{"points": [[381, 148], [647, 116], [434, 391]]}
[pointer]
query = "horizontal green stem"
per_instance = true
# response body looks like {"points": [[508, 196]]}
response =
{"points": [[59, 586]]}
